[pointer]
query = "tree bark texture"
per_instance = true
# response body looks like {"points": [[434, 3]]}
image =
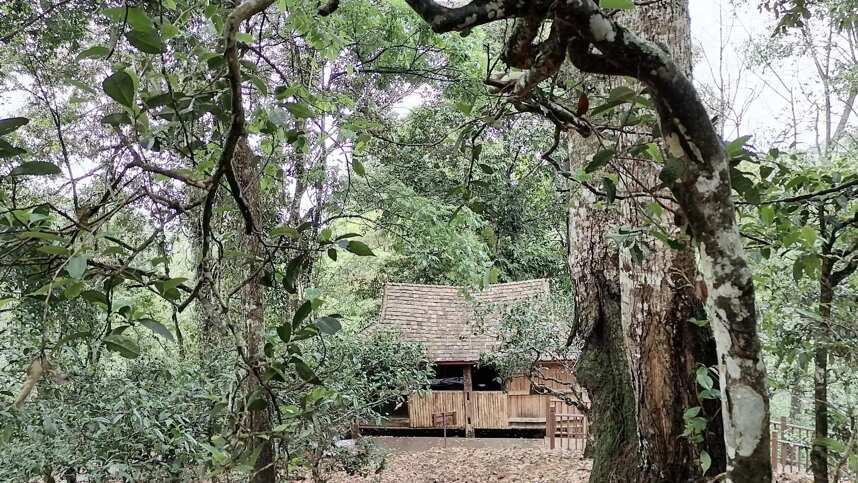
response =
{"points": [[658, 298], [659, 348], [819, 452], [603, 367], [252, 312]]}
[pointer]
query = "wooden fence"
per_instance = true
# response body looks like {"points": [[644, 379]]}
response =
{"points": [[488, 409], [566, 431], [421, 406], [790, 450], [791, 445]]}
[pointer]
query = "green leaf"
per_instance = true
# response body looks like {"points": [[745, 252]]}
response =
{"points": [[305, 373], [36, 168], [116, 119], [302, 312], [94, 52], [285, 332], [485, 168], [148, 41], [691, 412], [299, 110], [120, 88], [139, 20], [610, 189], [621, 93], [54, 250], [305, 333], [293, 269], [600, 159], [11, 124], [476, 151], [359, 248], [328, 325], [705, 461], [332, 254], [704, 379], [7, 150], [285, 230], [94, 296], [76, 267], [358, 167], [123, 345], [40, 235], [619, 4], [73, 290], [157, 328], [767, 214], [259, 83], [735, 147], [808, 235], [797, 269]]}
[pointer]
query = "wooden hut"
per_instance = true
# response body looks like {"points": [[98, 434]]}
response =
{"points": [[443, 320]]}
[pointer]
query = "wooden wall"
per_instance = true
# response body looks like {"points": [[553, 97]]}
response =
{"points": [[551, 372], [492, 409], [526, 407], [489, 409], [421, 407]]}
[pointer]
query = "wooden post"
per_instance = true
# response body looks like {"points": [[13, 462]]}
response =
{"points": [[468, 389], [785, 449], [586, 433], [549, 425], [444, 419], [774, 451]]}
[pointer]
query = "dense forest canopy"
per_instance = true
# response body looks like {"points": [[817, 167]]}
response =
{"points": [[201, 201]]}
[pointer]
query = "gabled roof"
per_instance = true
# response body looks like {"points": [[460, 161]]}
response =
{"points": [[442, 318]]}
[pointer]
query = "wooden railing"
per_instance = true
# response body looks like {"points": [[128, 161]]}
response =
{"points": [[566, 431], [791, 445]]}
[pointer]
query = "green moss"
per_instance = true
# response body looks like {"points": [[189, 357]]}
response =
{"points": [[602, 369]]}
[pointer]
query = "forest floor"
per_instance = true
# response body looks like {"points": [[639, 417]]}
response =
{"points": [[474, 460], [482, 460]]}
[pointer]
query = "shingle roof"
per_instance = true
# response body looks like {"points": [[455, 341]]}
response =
{"points": [[442, 319]]}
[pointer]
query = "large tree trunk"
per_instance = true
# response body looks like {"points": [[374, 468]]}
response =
{"points": [[819, 453], [639, 363], [602, 368], [658, 297], [258, 421]]}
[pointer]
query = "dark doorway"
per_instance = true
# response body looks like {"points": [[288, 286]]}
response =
{"points": [[448, 378], [486, 379]]}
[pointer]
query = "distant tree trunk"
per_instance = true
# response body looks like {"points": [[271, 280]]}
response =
{"points": [[819, 452], [795, 395], [210, 326], [252, 312], [644, 396]]}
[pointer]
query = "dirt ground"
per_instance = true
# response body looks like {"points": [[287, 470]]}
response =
{"points": [[482, 460], [423, 460]]}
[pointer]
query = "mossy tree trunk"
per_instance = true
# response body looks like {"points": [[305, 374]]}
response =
{"points": [[641, 354]]}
